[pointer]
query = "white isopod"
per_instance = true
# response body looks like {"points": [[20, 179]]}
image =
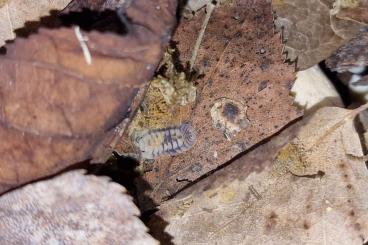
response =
{"points": [[165, 141]]}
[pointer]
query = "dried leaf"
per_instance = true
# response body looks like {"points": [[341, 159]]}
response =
{"points": [[72, 208], [353, 54], [14, 13], [63, 91], [313, 90], [312, 30], [245, 84], [313, 193]]}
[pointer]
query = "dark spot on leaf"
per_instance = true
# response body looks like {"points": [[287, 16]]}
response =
{"points": [[271, 221], [262, 85], [230, 111], [242, 145], [265, 64], [208, 210], [320, 173], [273, 215], [197, 167], [306, 225], [308, 207]]}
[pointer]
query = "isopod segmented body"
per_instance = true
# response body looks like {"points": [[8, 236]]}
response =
{"points": [[165, 141]]}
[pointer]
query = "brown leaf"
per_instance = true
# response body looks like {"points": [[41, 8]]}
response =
{"points": [[77, 5], [353, 54], [243, 75], [72, 208], [312, 30], [313, 193], [61, 96], [14, 13]]}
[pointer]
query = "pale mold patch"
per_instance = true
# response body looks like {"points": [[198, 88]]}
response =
{"points": [[229, 116], [166, 88], [178, 92]]}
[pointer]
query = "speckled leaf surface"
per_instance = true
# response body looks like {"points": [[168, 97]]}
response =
{"points": [[314, 192], [242, 97], [71, 208]]}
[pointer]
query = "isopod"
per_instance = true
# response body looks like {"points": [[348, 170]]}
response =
{"points": [[165, 141]]}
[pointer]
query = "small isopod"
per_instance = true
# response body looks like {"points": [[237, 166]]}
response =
{"points": [[165, 141]]}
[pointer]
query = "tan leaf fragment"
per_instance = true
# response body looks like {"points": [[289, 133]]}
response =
{"points": [[72, 208], [238, 65], [15, 13], [313, 193], [313, 90], [63, 91], [312, 30]]}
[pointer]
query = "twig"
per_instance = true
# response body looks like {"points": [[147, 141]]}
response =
{"points": [[209, 8]]}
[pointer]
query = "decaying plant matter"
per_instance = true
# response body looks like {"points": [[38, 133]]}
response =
{"points": [[191, 107]]}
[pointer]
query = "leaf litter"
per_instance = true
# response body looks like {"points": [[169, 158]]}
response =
{"points": [[312, 190], [221, 90], [235, 60]]}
